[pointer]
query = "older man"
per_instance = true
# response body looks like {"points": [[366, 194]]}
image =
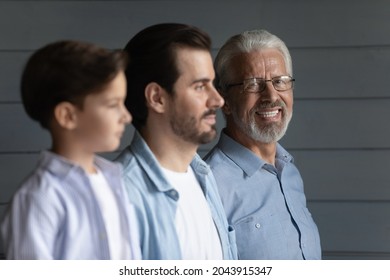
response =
{"points": [[261, 188]]}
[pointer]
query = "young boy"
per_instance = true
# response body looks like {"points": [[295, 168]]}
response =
{"points": [[73, 205]]}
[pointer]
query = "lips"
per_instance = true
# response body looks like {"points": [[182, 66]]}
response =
{"points": [[268, 114], [210, 118]]}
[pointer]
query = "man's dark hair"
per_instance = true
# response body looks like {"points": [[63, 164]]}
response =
{"points": [[66, 71], [152, 58]]}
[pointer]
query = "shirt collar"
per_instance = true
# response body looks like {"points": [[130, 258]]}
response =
{"points": [[283, 155], [62, 167], [199, 165], [148, 162], [245, 158]]}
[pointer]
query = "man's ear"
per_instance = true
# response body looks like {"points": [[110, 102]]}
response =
{"points": [[65, 113], [155, 97], [226, 108]]}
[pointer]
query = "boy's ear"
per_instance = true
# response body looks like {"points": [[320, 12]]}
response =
{"points": [[65, 114], [155, 97]]}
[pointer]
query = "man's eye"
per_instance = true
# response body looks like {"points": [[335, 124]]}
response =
{"points": [[200, 87], [252, 87], [279, 82]]}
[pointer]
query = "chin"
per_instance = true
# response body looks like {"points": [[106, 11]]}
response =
{"points": [[207, 137], [110, 148]]}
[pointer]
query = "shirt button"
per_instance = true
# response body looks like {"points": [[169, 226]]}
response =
{"points": [[257, 225], [174, 194]]}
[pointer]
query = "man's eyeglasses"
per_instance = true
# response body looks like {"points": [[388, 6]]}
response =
{"points": [[257, 85]]}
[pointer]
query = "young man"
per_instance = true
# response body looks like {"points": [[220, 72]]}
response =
{"points": [[261, 188], [73, 204], [173, 102]]}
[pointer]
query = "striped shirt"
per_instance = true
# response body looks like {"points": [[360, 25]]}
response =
{"points": [[55, 215]]}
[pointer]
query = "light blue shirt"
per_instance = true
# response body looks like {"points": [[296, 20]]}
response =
{"points": [[55, 215], [155, 201], [266, 205]]}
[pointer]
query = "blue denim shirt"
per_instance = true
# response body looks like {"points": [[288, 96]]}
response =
{"points": [[266, 205], [55, 215], [155, 201]]}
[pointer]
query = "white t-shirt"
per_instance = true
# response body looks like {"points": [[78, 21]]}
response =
{"points": [[198, 236], [119, 247]]}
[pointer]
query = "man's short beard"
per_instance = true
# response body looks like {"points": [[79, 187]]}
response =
{"points": [[186, 128]]}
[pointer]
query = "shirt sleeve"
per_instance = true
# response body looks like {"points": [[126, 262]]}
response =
{"points": [[30, 226]]}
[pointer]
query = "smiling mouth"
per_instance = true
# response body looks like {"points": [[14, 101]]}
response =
{"points": [[269, 114]]}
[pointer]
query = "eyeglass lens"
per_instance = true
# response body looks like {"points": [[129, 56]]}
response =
{"points": [[258, 85]]}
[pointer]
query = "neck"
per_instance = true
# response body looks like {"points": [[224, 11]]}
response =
{"points": [[265, 151], [74, 154], [171, 151]]}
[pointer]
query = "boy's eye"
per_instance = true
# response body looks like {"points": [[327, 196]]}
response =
{"points": [[113, 105]]}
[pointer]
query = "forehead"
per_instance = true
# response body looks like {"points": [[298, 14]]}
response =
{"points": [[258, 64], [116, 88], [194, 62]]}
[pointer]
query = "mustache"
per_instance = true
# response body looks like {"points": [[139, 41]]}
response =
{"points": [[266, 105], [209, 112]]}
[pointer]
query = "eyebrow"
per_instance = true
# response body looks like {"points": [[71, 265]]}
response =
{"points": [[203, 80], [116, 98]]}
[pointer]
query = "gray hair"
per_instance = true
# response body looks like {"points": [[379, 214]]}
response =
{"points": [[247, 42]]}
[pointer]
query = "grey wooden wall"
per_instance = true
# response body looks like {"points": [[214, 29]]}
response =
{"points": [[340, 132]]}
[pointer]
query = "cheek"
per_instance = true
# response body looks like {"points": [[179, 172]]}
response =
{"points": [[289, 101], [96, 123], [240, 102], [194, 109], [91, 120], [249, 104], [242, 111]]}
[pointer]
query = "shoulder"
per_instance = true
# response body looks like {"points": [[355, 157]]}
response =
{"points": [[135, 179], [215, 157], [219, 162], [212, 154], [41, 193], [131, 170], [39, 182]]}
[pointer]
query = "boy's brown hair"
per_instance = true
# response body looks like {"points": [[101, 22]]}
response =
{"points": [[66, 71]]}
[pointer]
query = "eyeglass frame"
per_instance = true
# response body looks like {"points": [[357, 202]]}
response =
{"points": [[292, 80]]}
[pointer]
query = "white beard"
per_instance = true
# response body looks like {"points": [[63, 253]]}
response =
{"points": [[268, 133]]}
